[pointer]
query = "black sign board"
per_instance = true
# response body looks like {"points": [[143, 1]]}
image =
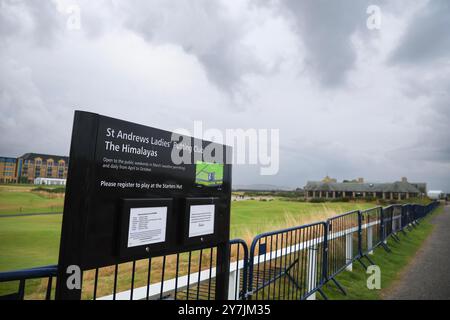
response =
{"points": [[135, 192]]}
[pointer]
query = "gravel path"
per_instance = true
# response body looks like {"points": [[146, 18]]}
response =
{"points": [[428, 276]]}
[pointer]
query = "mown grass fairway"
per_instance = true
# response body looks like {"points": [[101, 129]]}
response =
{"points": [[16, 199], [252, 217], [33, 241], [27, 242]]}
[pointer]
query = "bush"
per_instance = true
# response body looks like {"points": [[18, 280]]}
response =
{"points": [[339, 200], [281, 194], [317, 200], [50, 190]]}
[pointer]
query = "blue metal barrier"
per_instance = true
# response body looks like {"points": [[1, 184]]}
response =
{"points": [[48, 272], [371, 230], [343, 244], [240, 281], [288, 264]]}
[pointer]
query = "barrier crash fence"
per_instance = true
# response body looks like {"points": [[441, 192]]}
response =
{"points": [[289, 264], [371, 232], [343, 242]]}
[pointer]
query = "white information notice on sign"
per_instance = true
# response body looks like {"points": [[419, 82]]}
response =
{"points": [[201, 221], [147, 226]]}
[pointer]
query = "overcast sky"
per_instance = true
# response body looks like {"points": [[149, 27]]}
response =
{"points": [[349, 102]]}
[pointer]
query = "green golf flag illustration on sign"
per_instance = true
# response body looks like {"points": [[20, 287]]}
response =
{"points": [[209, 174]]}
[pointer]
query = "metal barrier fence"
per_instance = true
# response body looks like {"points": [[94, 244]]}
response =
{"points": [[343, 244], [44, 275], [182, 276], [392, 216], [187, 276], [371, 230], [407, 217], [388, 217], [287, 264]]}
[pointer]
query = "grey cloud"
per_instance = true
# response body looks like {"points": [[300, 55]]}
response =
{"points": [[25, 115], [206, 30], [201, 28], [104, 69], [38, 20], [326, 27], [427, 37], [45, 22], [8, 23], [433, 145], [437, 137]]}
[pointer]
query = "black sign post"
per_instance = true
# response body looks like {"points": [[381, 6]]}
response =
{"points": [[135, 192]]}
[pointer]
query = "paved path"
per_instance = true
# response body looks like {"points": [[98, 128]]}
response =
{"points": [[428, 276], [28, 214]]}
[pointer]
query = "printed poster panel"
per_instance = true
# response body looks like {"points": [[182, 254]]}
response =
{"points": [[201, 221], [147, 226]]}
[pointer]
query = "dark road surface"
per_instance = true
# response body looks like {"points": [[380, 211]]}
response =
{"points": [[428, 276]]}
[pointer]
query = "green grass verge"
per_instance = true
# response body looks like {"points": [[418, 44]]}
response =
{"points": [[252, 217], [391, 265], [25, 185], [16, 200], [33, 241], [27, 242]]}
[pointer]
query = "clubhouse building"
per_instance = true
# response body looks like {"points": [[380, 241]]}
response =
{"points": [[331, 189], [32, 167]]}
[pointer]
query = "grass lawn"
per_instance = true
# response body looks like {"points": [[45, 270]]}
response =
{"points": [[252, 217], [33, 241], [21, 199], [391, 265], [27, 242]]}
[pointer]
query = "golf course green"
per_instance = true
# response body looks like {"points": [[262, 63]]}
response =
{"points": [[32, 241]]}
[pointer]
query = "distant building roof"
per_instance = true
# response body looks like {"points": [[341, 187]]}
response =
{"points": [[420, 185], [44, 157], [399, 186], [328, 179]]}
